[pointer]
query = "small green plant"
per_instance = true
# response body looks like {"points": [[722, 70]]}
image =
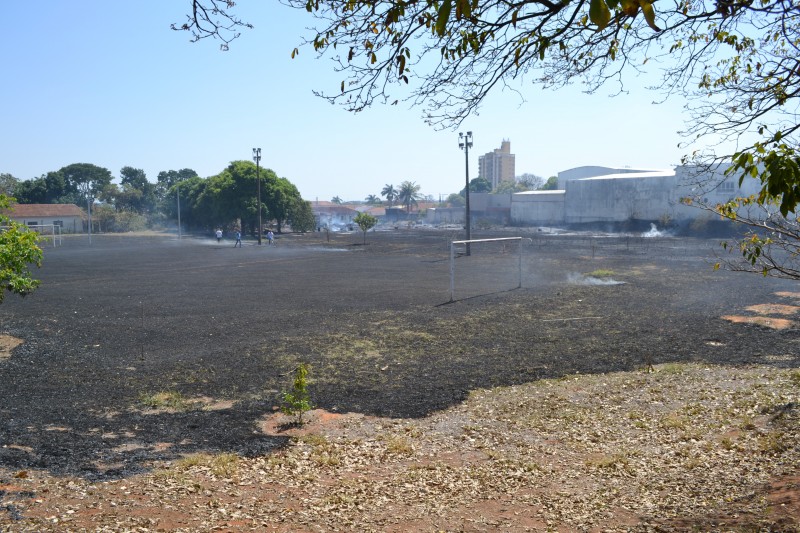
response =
{"points": [[298, 400], [365, 222]]}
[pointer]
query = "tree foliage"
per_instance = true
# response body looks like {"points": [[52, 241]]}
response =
{"points": [[8, 184], [529, 182], [390, 193], [366, 222], [551, 184], [50, 188], [771, 242], [477, 185], [18, 250], [89, 180], [408, 194], [302, 218], [456, 200]]}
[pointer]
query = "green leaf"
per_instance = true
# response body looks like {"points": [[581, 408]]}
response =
{"points": [[649, 15], [599, 13], [443, 17]]}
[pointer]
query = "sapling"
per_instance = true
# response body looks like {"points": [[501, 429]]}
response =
{"points": [[298, 401]]}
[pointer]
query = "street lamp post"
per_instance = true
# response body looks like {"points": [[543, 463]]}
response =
{"points": [[89, 212], [178, 198], [465, 143], [257, 159]]}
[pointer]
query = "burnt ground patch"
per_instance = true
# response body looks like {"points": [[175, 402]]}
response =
{"points": [[131, 316]]}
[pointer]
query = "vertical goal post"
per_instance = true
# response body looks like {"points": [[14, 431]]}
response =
{"points": [[453, 245]]}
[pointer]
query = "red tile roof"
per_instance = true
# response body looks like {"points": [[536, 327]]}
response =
{"points": [[44, 210]]}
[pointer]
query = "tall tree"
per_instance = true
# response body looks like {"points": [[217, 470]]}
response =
{"points": [[8, 184], [302, 217], [336, 200], [50, 188], [135, 177], [281, 198], [408, 194], [530, 182], [166, 179], [231, 196], [390, 193], [136, 194], [88, 179]]}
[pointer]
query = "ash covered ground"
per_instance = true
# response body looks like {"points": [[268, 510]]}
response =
{"points": [[130, 316]]}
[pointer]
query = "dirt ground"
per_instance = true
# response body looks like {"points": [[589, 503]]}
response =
{"points": [[626, 386]]}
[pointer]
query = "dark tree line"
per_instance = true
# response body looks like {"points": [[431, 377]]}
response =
{"points": [[226, 200]]}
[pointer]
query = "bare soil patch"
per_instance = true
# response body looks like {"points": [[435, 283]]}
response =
{"points": [[146, 393], [7, 344]]}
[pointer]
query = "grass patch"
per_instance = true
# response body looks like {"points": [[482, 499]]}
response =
{"points": [[600, 273], [165, 400], [398, 445]]}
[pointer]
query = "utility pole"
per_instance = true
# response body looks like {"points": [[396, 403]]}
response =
{"points": [[257, 159], [178, 198], [465, 143]]}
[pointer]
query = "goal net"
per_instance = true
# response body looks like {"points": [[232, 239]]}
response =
{"points": [[484, 266]]}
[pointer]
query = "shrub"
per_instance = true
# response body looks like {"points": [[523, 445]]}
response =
{"points": [[298, 400]]}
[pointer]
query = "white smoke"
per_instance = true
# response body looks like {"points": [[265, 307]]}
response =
{"points": [[579, 279], [653, 232]]}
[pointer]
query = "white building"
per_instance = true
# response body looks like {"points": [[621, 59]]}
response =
{"points": [[68, 216], [600, 194]]}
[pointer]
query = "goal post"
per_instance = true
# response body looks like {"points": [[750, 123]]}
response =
{"points": [[467, 243]]}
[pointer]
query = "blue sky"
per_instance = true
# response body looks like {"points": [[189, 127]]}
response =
{"points": [[108, 83]]}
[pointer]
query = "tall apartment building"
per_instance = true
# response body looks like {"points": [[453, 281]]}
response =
{"points": [[497, 165]]}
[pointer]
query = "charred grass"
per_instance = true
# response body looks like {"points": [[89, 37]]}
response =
{"points": [[576, 406]]}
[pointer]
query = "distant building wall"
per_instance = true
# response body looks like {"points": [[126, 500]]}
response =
{"points": [[617, 198], [445, 215], [620, 197], [538, 207]]}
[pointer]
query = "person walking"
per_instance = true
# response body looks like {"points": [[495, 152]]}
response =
{"points": [[219, 235], [271, 237], [238, 239]]}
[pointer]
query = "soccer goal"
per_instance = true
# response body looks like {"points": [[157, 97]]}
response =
{"points": [[50, 232], [487, 264]]}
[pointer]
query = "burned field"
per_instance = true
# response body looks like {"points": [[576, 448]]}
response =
{"points": [[127, 322]]}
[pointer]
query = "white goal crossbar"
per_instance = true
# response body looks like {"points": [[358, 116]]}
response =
{"points": [[453, 245]]}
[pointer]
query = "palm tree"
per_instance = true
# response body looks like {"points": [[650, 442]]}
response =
{"points": [[409, 194], [373, 200], [390, 193], [336, 200]]}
